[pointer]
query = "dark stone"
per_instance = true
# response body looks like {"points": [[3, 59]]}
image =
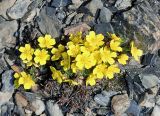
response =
{"points": [[103, 28], [134, 109], [60, 3]]}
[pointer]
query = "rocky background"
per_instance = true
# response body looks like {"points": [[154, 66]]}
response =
{"points": [[135, 94]]}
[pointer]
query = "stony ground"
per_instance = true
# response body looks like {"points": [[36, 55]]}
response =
{"points": [[135, 94]]}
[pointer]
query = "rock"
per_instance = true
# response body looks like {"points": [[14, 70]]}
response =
{"points": [[7, 29], [104, 98], [149, 80], [103, 28], [149, 59], [49, 25], [3, 64], [4, 5], [105, 15], [134, 109], [19, 9], [94, 5], [83, 27], [156, 111], [148, 100], [5, 97], [28, 17], [77, 3], [123, 4], [7, 81], [60, 3], [53, 109], [120, 103], [21, 100], [158, 100], [102, 111], [143, 21], [39, 106]]}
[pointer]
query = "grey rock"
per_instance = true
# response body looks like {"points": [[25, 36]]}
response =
{"points": [[3, 64], [103, 28], [143, 21], [7, 81], [49, 25], [122, 4], [53, 109], [149, 80], [156, 111], [105, 15], [4, 5], [104, 98], [94, 5], [120, 103], [148, 100], [39, 106], [5, 97], [102, 111], [7, 29], [19, 9], [60, 3], [7, 109], [158, 100], [134, 109]]}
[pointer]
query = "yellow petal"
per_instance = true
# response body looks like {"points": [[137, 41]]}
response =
{"points": [[21, 80]]}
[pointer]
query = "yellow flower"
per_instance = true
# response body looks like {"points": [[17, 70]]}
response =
{"points": [[41, 56], [73, 49], [111, 70], [115, 46], [96, 56], [57, 52], [85, 60], [114, 37], [95, 40], [16, 75], [66, 61], [74, 68], [26, 52], [56, 75], [91, 80], [123, 59], [76, 38], [87, 48], [70, 81], [46, 42], [26, 80], [107, 55], [136, 53], [100, 70]]}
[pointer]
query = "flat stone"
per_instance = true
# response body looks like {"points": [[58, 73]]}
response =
{"points": [[103, 28], [4, 5], [156, 111], [5, 97], [149, 80], [105, 15], [39, 106], [19, 9], [134, 109], [53, 109], [7, 81], [94, 5], [49, 25], [60, 3], [123, 4], [120, 103], [3, 64], [148, 100], [104, 98], [7, 29]]}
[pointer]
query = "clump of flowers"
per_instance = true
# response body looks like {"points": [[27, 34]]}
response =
{"points": [[88, 58]]}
